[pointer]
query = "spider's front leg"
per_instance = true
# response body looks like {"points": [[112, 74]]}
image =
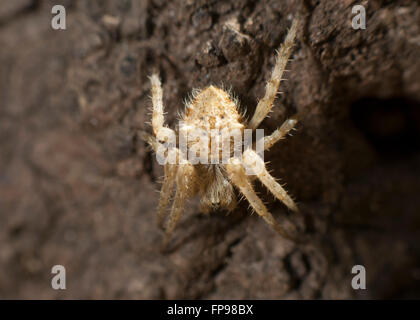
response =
{"points": [[159, 129], [279, 133], [237, 175], [186, 187], [265, 104]]}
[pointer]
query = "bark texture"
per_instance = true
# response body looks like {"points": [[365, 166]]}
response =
{"points": [[78, 186]]}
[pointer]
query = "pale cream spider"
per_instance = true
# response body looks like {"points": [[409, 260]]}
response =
{"points": [[214, 108]]}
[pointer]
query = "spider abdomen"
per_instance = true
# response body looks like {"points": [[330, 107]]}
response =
{"points": [[216, 191]]}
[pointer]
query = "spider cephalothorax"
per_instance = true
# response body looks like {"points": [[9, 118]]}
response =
{"points": [[211, 111]]}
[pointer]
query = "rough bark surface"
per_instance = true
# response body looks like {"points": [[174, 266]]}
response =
{"points": [[78, 186]]}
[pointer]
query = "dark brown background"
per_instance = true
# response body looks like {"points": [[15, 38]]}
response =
{"points": [[78, 186]]}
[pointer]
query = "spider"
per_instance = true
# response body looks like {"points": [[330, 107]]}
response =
{"points": [[214, 108]]}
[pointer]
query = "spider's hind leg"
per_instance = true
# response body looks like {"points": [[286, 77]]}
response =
{"points": [[186, 182], [169, 178], [239, 178], [252, 161], [166, 191]]}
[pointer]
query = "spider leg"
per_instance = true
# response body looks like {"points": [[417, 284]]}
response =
{"points": [[265, 104], [166, 191], [158, 115], [237, 175], [157, 101], [186, 187], [279, 133], [169, 179], [252, 161], [151, 140]]}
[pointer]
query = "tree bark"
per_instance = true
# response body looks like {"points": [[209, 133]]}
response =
{"points": [[78, 185]]}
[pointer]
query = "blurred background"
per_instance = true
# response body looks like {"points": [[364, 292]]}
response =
{"points": [[79, 188]]}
